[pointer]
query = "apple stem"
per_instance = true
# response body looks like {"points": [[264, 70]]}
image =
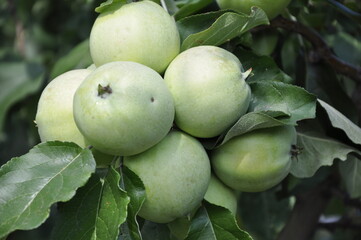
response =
{"points": [[103, 92], [246, 73]]}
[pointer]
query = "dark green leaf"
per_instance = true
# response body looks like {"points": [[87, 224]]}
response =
{"points": [[179, 228], [197, 23], [263, 214], [228, 26], [110, 5], [96, 212], [30, 184], [263, 67], [248, 122], [78, 57], [155, 231], [317, 151], [338, 120], [191, 7], [213, 222], [18, 80], [326, 85], [351, 175], [272, 96], [136, 191], [170, 6]]}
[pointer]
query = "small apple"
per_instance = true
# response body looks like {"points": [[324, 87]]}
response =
{"points": [[255, 161], [54, 116], [140, 32], [221, 195], [271, 8], [123, 108], [176, 173], [209, 90]]}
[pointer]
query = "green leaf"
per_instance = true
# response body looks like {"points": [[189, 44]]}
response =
{"points": [[155, 231], [96, 212], [30, 184], [110, 5], [78, 57], [136, 191], [263, 214], [213, 222], [317, 151], [272, 96], [197, 23], [18, 80], [264, 68], [326, 85], [228, 26], [248, 122], [351, 175], [191, 7], [338, 120]]}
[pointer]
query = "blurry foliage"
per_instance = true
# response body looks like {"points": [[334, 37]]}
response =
{"points": [[41, 39], [35, 34]]}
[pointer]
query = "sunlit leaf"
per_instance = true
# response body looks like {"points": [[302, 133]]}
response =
{"points": [[30, 184]]}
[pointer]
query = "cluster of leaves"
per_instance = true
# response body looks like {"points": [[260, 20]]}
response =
{"points": [[103, 203]]}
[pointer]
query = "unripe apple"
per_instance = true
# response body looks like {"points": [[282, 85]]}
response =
{"points": [[54, 116], [123, 108], [255, 161], [221, 195], [209, 90], [176, 173], [140, 32], [271, 8]]}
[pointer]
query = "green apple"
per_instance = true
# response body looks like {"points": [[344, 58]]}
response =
{"points": [[176, 173], [255, 161], [209, 90], [221, 195], [271, 8], [54, 116], [123, 108], [140, 32]]}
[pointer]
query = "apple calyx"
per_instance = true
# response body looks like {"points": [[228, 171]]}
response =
{"points": [[295, 151], [104, 92]]}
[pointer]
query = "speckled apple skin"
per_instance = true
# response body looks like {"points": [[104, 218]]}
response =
{"points": [[176, 173], [141, 32]]}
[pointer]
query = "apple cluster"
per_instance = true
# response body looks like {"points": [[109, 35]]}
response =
{"points": [[145, 101]]}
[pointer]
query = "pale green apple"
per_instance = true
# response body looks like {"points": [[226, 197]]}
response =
{"points": [[123, 108], [176, 173], [271, 7], [54, 116], [221, 195], [140, 32], [255, 161], [209, 90]]}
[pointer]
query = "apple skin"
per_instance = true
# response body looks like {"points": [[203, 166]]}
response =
{"points": [[140, 32], [54, 116], [134, 116], [176, 173], [221, 195], [271, 8], [208, 89], [255, 161]]}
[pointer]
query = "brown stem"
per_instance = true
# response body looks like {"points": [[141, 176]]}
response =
{"points": [[321, 50], [306, 213]]}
